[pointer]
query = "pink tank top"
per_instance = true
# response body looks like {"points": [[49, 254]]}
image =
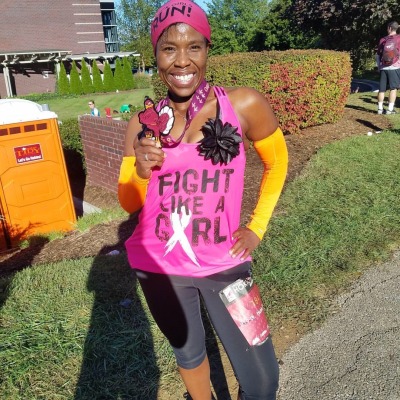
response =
{"points": [[192, 208]]}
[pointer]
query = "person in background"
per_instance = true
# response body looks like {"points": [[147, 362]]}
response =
{"points": [[388, 60], [93, 110], [188, 182]]}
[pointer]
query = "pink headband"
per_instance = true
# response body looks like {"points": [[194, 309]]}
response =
{"points": [[175, 11]]}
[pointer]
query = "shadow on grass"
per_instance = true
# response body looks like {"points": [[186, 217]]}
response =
{"points": [[18, 260], [119, 359], [118, 356]]}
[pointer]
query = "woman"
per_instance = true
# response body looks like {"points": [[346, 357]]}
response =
{"points": [[189, 181]]}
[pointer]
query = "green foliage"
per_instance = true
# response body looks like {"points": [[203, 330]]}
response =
{"points": [[234, 24], [108, 81], [325, 78], [63, 86], [72, 147], [305, 88], [142, 81], [41, 97], [134, 18], [353, 26], [87, 84], [75, 80], [160, 90], [97, 80], [119, 75], [128, 76], [70, 135], [276, 31]]}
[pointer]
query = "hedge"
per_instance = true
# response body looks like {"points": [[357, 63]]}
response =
{"points": [[305, 87]]}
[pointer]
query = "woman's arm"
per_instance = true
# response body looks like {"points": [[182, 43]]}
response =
{"points": [[260, 126]]}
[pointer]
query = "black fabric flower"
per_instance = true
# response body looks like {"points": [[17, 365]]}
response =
{"points": [[220, 143]]}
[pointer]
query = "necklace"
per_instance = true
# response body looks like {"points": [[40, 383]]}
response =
{"points": [[179, 113]]}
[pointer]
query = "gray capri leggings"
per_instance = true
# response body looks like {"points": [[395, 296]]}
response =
{"points": [[174, 302]]}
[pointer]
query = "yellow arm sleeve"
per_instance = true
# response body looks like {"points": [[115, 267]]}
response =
{"points": [[273, 154], [132, 188]]}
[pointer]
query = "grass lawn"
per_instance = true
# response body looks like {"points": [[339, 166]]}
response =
{"points": [[72, 107], [79, 329]]}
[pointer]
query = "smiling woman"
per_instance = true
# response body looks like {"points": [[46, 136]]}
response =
{"points": [[183, 164]]}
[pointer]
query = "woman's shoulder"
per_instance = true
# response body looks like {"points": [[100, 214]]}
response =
{"points": [[244, 96]]}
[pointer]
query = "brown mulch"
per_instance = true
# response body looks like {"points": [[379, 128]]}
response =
{"points": [[105, 237]]}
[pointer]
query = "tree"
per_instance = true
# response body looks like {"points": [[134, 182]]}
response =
{"points": [[75, 80], [87, 84], [128, 76], [134, 19], [234, 24], [97, 81], [108, 81], [63, 81], [347, 25], [276, 31], [118, 75]]}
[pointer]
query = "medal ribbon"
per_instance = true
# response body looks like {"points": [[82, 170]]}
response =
{"points": [[198, 99]]}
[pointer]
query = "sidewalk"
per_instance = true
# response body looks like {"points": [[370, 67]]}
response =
{"points": [[355, 355], [364, 85]]}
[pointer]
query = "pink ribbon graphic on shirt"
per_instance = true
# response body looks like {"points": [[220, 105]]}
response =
{"points": [[179, 224]]}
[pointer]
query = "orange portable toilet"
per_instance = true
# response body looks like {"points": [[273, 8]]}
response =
{"points": [[35, 196]]}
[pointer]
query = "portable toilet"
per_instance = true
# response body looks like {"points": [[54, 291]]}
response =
{"points": [[35, 195]]}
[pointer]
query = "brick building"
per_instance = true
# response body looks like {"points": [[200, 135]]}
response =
{"points": [[36, 35]]}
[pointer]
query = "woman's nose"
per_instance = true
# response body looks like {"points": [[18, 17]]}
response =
{"points": [[182, 58]]}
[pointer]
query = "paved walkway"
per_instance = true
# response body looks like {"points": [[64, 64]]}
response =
{"points": [[364, 85], [355, 355]]}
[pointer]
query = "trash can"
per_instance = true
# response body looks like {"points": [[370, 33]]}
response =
{"points": [[35, 195]]}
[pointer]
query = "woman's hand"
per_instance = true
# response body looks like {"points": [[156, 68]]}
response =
{"points": [[148, 155], [246, 242]]}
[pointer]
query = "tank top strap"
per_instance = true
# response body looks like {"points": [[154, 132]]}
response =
{"points": [[227, 113]]}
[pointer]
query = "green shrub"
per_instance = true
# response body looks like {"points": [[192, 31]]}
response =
{"points": [[97, 80], [42, 97], [75, 80], [87, 84], [108, 81], [70, 135], [141, 81], [309, 89], [305, 87], [119, 75], [128, 76], [63, 86], [160, 90]]}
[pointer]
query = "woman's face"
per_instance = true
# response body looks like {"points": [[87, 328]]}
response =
{"points": [[181, 59]]}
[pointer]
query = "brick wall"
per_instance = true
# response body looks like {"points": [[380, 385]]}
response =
{"points": [[32, 25], [103, 144], [34, 82]]}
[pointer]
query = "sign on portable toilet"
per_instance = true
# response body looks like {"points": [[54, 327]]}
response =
{"points": [[35, 195]]}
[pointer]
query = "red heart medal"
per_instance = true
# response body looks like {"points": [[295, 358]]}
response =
{"points": [[155, 123]]}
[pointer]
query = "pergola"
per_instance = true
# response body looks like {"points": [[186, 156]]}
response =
{"points": [[10, 59]]}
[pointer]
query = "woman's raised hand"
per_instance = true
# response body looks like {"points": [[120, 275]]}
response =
{"points": [[148, 156]]}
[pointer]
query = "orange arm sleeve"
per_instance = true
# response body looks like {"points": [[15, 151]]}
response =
{"points": [[132, 188], [273, 154]]}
